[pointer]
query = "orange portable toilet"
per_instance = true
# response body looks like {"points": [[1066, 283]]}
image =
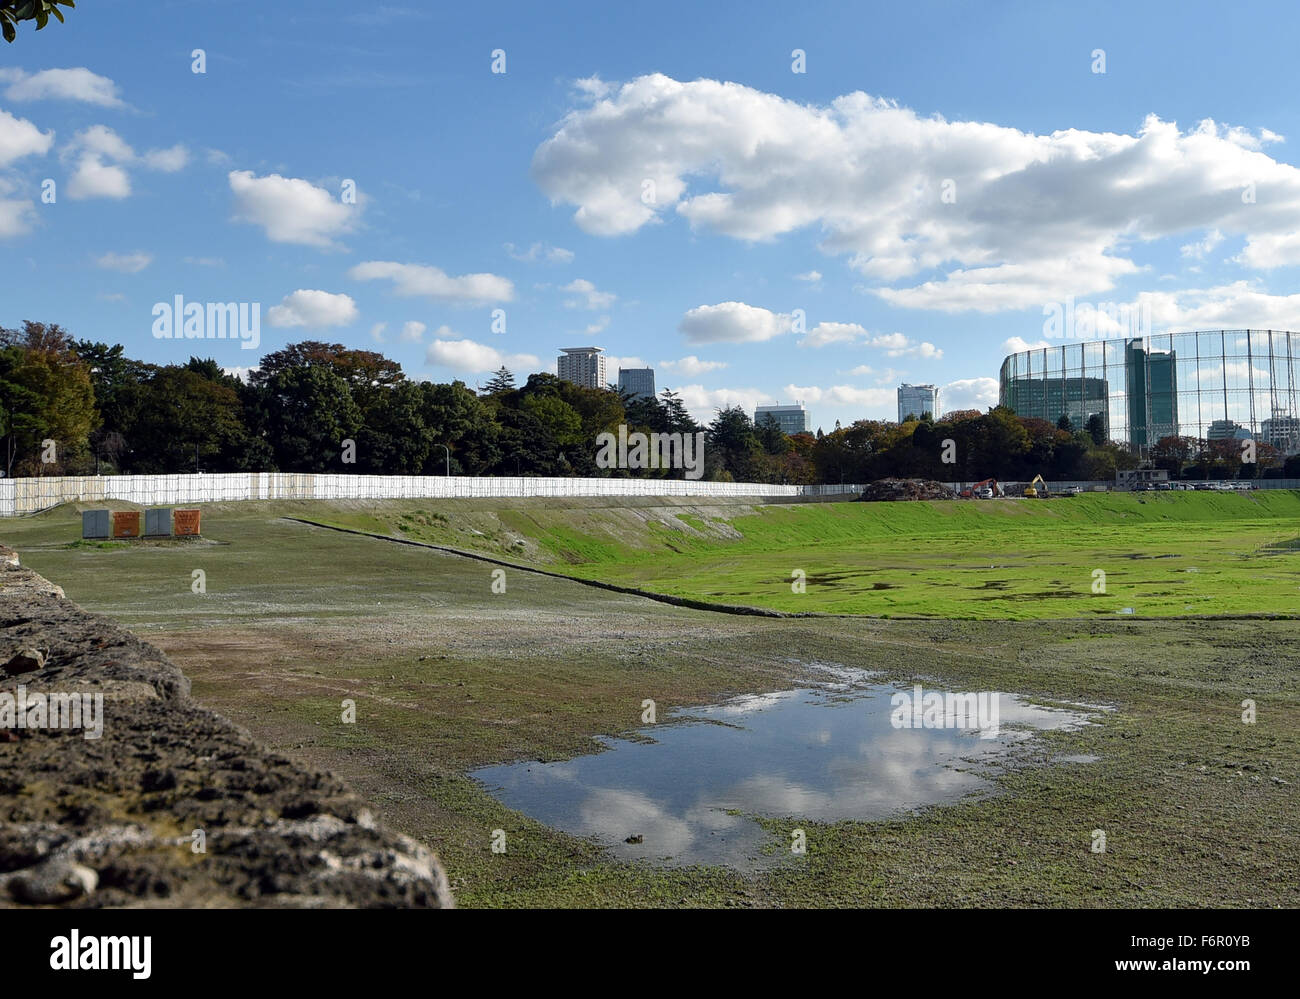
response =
{"points": [[185, 523], [126, 524]]}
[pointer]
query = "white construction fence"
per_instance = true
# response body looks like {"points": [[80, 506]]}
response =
{"points": [[23, 496]]}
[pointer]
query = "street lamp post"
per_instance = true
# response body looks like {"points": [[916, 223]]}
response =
{"points": [[448, 450]]}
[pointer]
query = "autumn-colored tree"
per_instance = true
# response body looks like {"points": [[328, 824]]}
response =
{"points": [[57, 401]]}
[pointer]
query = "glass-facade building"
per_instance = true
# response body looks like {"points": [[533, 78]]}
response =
{"points": [[791, 419], [1206, 385], [637, 382], [917, 400]]}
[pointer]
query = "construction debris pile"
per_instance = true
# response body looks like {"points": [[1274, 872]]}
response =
{"points": [[893, 490]]}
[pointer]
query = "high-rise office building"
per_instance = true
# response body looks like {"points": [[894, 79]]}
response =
{"points": [[916, 400], [637, 382], [583, 366], [1227, 430], [1152, 394], [791, 419]]}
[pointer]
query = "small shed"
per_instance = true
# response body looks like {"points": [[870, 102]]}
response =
{"points": [[94, 523], [158, 522], [126, 523]]}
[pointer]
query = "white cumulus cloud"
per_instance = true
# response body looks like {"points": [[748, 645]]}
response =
{"points": [[691, 366], [424, 281], [590, 298], [898, 345], [844, 395], [78, 84], [312, 308], [825, 333], [732, 322], [702, 403], [101, 159], [1036, 217], [473, 357], [290, 209], [19, 138]]}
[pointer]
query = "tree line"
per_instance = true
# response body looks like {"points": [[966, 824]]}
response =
{"points": [[320, 407]]}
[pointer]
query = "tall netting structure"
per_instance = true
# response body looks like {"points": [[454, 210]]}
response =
{"points": [[1211, 385]]}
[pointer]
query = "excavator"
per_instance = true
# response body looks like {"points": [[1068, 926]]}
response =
{"points": [[984, 489], [1037, 488]]}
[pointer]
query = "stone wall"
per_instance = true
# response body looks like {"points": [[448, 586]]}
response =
{"points": [[117, 820]]}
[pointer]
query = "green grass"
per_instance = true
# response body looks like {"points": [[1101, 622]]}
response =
{"points": [[1161, 555]]}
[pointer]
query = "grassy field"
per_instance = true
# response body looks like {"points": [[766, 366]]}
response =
{"points": [[1162, 554], [1199, 808]]}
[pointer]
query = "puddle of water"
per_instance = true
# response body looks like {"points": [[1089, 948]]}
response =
{"points": [[823, 754]]}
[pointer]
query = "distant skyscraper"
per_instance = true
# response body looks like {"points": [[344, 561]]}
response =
{"points": [[1152, 397], [583, 366], [1227, 430], [791, 419], [637, 382], [1282, 432], [917, 400]]}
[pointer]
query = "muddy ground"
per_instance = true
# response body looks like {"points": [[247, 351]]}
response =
{"points": [[1199, 808]]}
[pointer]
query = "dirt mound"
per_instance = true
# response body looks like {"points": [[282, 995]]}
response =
{"points": [[893, 490], [160, 801]]}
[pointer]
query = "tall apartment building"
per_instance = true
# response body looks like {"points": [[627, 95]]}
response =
{"points": [[637, 382], [916, 400], [791, 419], [583, 366]]}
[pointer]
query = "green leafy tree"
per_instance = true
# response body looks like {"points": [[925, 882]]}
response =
{"points": [[13, 11], [770, 436], [1096, 428], [646, 414], [365, 372], [19, 405], [467, 425], [732, 444], [309, 412], [678, 420], [501, 382], [120, 389], [187, 422], [394, 439], [563, 422], [208, 368]]}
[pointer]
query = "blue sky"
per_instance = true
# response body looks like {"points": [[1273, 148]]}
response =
{"points": [[903, 210]]}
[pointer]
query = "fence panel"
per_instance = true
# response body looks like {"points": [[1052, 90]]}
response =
{"points": [[23, 496]]}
